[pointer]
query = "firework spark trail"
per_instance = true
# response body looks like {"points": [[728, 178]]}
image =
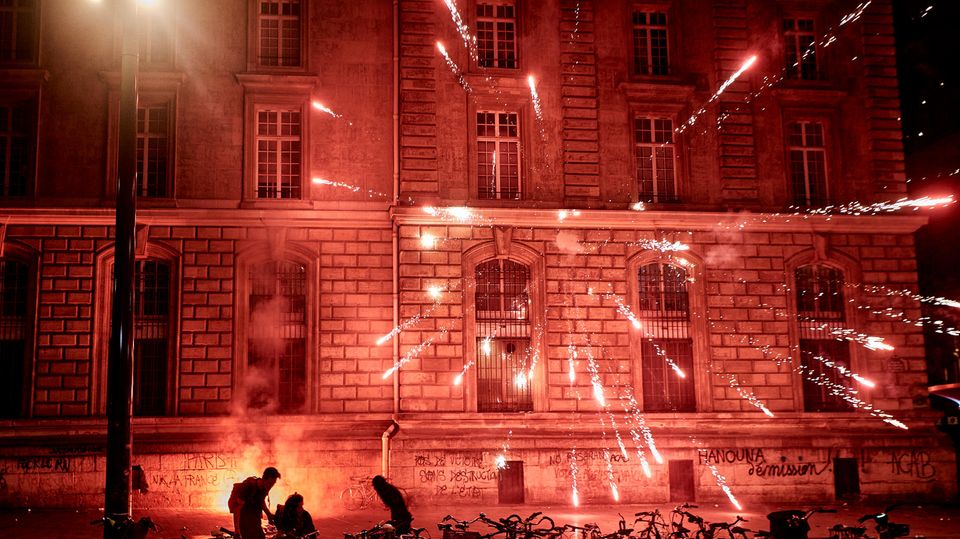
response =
{"points": [[858, 208], [718, 477], [726, 84], [939, 326], [413, 352], [595, 379], [325, 109], [616, 431], [455, 69], [406, 324], [869, 342], [350, 187], [641, 423], [744, 394], [459, 379], [628, 314], [606, 459], [575, 494], [856, 13], [638, 443], [458, 214], [827, 362], [663, 246], [571, 360], [849, 396], [469, 41], [934, 300], [538, 111]]}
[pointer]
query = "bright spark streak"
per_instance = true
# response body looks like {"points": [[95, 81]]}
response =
{"points": [[663, 246], [855, 14], [856, 208], [344, 185], [744, 394], [571, 358], [323, 108], [413, 352], [454, 68], [535, 97], [459, 379], [435, 292], [500, 461], [575, 495], [485, 346], [696, 115], [869, 342], [520, 380], [638, 206], [469, 41], [461, 214]]}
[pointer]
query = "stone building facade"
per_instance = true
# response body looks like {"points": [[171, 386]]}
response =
{"points": [[560, 212]]}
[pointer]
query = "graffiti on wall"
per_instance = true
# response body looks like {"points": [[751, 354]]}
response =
{"points": [[454, 474], [758, 465], [914, 463]]}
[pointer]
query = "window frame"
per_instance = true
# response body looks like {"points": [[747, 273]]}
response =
{"points": [[697, 328], [255, 253], [672, 111], [510, 100], [649, 9], [674, 59], [497, 140], [256, 101], [637, 145], [819, 52], [34, 59], [103, 305], [533, 260], [28, 100], [475, 19], [162, 14], [853, 318], [253, 40], [21, 254]]}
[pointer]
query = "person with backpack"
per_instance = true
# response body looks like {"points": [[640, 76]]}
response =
{"points": [[248, 502], [390, 495], [292, 520]]}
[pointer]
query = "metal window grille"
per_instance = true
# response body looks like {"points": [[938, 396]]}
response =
{"points": [[156, 43], [18, 30], [14, 332], [656, 160], [277, 336], [279, 33], [650, 49], [820, 307], [808, 163], [278, 154], [153, 150], [152, 352], [496, 35], [15, 149], [502, 306], [498, 155], [664, 313], [800, 49]]}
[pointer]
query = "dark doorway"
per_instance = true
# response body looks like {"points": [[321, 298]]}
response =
{"points": [[846, 478], [681, 481], [510, 482]]}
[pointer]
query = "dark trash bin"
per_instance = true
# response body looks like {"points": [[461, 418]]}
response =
{"points": [[790, 524]]}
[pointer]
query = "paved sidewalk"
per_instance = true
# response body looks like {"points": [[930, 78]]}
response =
{"points": [[931, 522]]}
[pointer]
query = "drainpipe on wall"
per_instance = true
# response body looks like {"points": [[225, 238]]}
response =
{"points": [[396, 201], [391, 431]]}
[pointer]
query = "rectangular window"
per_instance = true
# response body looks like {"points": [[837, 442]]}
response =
{"points": [[808, 163], [152, 352], [503, 337], [276, 346], [14, 335], [800, 49], [278, 154], [497, 35], [667, 346], [650, 49], [156, 37], [655, 159], [820, 308], [18, 31], [16, 148], [153, 151], [498, 155], [279, 33]]}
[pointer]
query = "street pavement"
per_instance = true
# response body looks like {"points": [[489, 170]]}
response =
{"points": [[927, 521]]}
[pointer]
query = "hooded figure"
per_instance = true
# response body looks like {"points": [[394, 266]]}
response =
{"points": [[390, 495]]}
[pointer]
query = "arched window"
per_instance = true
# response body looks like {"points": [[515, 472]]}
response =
{"points": [[504, 348], [276, 376], [820, 310], [667, 346], [15, 332]]}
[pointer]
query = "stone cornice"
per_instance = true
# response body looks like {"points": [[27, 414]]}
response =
{"points": [[673, 220]]}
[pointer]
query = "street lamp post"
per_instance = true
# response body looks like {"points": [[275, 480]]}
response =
{"points": [[120, 360]]}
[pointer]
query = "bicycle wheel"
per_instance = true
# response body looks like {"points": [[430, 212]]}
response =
{"points": [[351, 498]]}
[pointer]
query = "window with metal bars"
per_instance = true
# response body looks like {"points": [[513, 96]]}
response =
{"points": [[279, 155], [277, 333], [820, 309], [800, 49], [498, 155], [497, 34], [667, 345], [152, 361], [19, 24], [651, 52], [153, 151], [15, 330], [655, 159], [502, 307], [808, 163], [279, 41], [17, 127]]}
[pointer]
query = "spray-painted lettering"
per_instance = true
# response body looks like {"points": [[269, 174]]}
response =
{"points": [[915, 463], [38, 464]]}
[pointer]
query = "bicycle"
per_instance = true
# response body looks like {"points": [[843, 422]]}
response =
{"points": [[654, 521], [129, 528], [587, 531], [361, 494], [885, 529], [790, 523]]}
